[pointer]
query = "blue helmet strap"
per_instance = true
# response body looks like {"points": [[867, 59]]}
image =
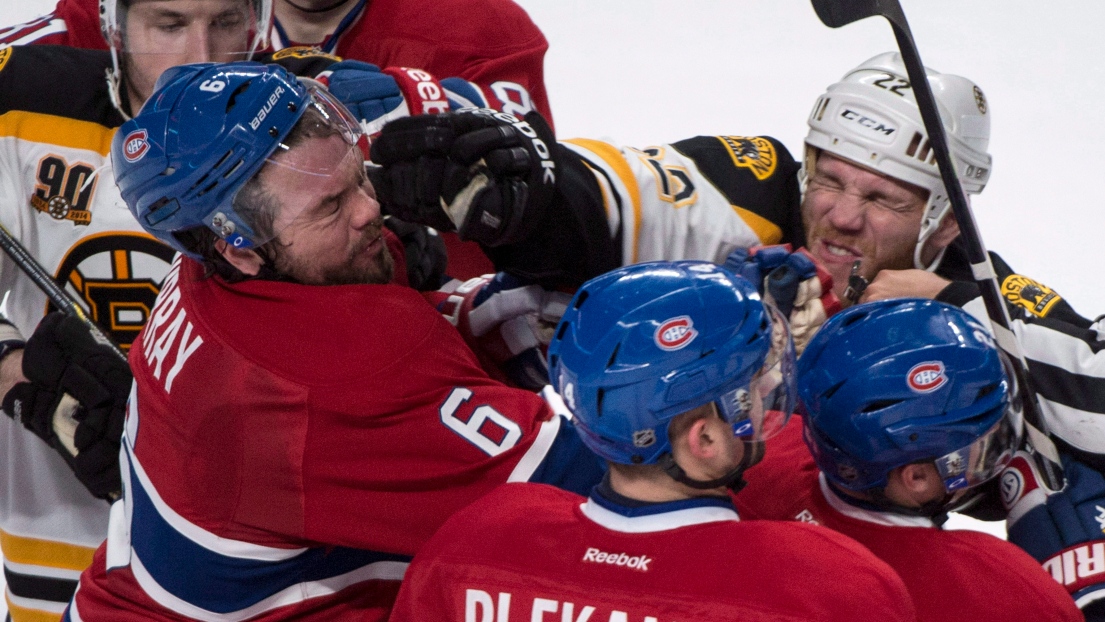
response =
{"points": [[733, 480]]}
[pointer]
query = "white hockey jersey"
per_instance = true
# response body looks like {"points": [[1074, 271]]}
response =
{"points": [[58, 197]]}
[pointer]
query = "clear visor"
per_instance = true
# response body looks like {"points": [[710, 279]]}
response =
{"points": [[983, 459], [198, 31], [318, 172], [762, 409]]}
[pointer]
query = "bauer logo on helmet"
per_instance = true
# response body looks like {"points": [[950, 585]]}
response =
{"points": [[135, 145], [927, 377], [675, 333]]}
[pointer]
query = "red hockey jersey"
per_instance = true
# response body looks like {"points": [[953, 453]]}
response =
{"points": [[532, 552], [965, 576], [493, 43], [289, 447]]}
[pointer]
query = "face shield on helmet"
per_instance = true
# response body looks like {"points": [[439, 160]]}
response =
{"points": [[870, 118], [146, 37], [212, 131], [337, 148], [761, 409], [980, 461]]}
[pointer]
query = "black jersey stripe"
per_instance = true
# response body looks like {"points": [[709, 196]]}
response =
{"points": [[39, 587]]}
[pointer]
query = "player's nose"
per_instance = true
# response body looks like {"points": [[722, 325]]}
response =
{"points": [[365, 209], [847, 212]]}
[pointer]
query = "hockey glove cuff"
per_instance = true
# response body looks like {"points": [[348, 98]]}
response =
{"points": [[75, 399], [506, 321], [1064, 530], [793, 282]]}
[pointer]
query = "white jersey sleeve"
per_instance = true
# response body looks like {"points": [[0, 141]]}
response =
{"points": [[695, 199]]}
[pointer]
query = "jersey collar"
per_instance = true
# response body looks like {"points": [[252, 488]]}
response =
{"points": [[855, 508], [330, 44], [620, 513]]}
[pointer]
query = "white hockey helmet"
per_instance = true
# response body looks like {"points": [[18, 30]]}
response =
{"points": [[871, 118], [113, 25]]}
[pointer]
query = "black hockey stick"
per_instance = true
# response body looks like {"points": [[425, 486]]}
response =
{"points": [[45, 282], [837, 13]]}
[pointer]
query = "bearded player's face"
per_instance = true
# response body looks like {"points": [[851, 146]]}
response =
{"points": [[159, 34], [328, 227]]}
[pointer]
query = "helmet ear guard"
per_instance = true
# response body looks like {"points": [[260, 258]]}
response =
{"points": [[871, 118]]}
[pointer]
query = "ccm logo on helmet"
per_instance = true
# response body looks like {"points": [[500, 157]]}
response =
{"points": [[880, 130], [675, 333], [135, 146], [926, 377]]}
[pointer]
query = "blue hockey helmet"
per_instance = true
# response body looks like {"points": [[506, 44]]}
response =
{"points": [[206, 131], [642, 344], [895, 382]]}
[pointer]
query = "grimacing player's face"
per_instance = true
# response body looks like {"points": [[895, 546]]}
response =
{"points": [[850, 213], [329, 230], [159, 34]]}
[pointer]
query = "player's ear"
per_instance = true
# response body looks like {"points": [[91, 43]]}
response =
{"points": [[246, 261], [703, 439], [918, 481], [945, 233]]}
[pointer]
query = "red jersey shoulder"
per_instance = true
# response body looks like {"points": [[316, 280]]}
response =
{"points": [[75, 23], [496, 26], [324, 335], [780, 483]]}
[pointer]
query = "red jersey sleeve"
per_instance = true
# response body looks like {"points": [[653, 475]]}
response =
{"points": [[75, 23]]}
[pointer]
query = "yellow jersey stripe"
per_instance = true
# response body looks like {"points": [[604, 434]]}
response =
{"points": [[613, 158], [53, 130], [36, 552], [23, 614], [767, 231]]}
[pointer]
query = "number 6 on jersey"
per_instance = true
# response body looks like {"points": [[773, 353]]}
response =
{"points": [[486, 428]]}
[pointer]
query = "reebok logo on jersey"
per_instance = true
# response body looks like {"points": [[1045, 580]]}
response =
{"points": [[135, 145], [926, 377], [636, 562], [675, 333]]}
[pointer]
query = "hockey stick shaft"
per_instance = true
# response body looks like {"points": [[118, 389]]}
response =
{"points": [[45, 282], [837, 13]]}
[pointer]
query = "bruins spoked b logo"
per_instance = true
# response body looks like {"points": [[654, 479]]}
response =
{"points": [[117, 276]]}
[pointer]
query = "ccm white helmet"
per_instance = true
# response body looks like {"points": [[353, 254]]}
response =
{"points": [[871, 118], [113, 18]]}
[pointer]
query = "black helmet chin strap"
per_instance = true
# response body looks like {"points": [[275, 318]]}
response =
{"points": [[733, 480]]}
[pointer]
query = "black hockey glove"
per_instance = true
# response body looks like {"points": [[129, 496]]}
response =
{"points": [[75, 400], [485, 174], [424, 253]]}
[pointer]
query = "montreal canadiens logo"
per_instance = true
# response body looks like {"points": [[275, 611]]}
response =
{"points": [[926, 377], [675, 333], [135, 146]]}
